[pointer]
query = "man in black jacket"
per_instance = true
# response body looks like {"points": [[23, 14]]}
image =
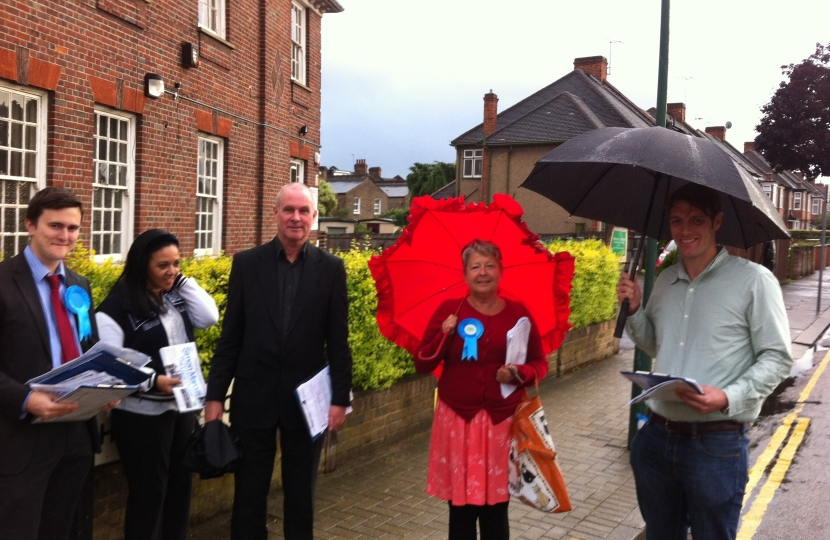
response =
{"points": [[42, 466], [286, 318]]}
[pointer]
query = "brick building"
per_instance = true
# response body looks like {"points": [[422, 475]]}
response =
{"points": [[81, 106], [364, 193]]}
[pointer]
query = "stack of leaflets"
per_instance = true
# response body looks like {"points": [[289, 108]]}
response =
{"points": [[659, 386], [182, 362], [105, 373]]}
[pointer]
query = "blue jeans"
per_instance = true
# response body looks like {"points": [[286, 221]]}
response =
{"points": [[690, 480]]}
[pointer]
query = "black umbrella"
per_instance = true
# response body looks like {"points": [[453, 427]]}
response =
{"points": [[624, 176], [212, 450]]}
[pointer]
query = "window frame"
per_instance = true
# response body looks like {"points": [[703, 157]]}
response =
{"points": [[472, 156], [816, 206], [299, 46], [356, 206], [218, 208], [128, 207], [797, 200], [298, 166], [221, 23], [38, 181], [377, 207]]}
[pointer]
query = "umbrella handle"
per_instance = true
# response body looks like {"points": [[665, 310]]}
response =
{"points": [[443, 338], [618, 331], [623, 315]]}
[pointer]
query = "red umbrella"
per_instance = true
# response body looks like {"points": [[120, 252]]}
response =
{"points": [[424, 268]]}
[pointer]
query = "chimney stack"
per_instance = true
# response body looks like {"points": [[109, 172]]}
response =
{"points": [[374, 172], [677, 111], [491, 110], [360, 167], [717, 131], [749, 146], [593, 65]]}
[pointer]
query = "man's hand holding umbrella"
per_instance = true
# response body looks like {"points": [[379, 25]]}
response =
{"points": [[628, 289]]}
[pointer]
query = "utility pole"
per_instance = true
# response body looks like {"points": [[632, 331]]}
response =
{"points": [[642, 361]]}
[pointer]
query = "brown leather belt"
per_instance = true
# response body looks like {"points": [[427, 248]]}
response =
{"points": [[688, 428]]}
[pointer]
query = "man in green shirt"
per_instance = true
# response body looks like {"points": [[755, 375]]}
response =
{"points": [[720, 320]]}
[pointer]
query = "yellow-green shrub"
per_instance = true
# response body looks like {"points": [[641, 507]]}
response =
{"points": [[101, 276], [378, 363], [212, 274], [596, 273]]}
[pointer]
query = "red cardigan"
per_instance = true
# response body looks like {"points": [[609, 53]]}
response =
{"points": [[470, 386]]}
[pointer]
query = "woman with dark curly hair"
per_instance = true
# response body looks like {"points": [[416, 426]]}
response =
{"points": [[151, 306]]}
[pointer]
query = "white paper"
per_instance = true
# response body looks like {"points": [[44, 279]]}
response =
{"points": [[182, 362], [92, 380], [659, 386], [314, 397], [517, 338], [90, 400]]}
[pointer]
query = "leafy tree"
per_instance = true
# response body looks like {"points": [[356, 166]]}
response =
{"points": [[361, 228], [398, 215], [327, 199], [794, 133], [427, 178]]}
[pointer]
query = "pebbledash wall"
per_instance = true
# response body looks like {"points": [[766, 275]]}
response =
{"points": [[205, 160], [379, 419]]}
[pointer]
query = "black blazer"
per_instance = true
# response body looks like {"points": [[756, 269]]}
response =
{"points": [[25, 353], [267, 361]]}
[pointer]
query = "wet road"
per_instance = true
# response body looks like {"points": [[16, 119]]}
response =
{"points": [[790, 479]]}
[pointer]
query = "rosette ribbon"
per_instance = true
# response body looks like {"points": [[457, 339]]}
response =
{"points": [[78, 302], [470, 330]]}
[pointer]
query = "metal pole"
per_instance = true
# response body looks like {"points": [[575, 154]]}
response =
{"points": [[823, 238], [642, 361]]}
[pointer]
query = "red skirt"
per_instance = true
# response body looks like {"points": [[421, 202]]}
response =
{"points": [[468, 460]]}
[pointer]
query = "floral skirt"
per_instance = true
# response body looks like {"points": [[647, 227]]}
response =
{"points": [[468, 460]]}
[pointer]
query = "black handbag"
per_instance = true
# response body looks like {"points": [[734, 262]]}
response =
{"points": [[212, 450]]}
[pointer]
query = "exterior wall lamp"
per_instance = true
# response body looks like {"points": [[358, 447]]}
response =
{"points": [[153, 85]]}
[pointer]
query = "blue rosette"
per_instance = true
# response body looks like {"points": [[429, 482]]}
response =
{"points": [[78, 302], [470, 329]]}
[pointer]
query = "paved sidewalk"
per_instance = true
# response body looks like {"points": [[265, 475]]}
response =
{"points": [[381, 495]]}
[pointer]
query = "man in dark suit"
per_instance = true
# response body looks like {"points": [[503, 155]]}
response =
{"points": [[286, 318], [42, 466]]}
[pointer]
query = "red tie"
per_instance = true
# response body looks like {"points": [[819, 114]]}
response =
{"points": [[69, 349]]}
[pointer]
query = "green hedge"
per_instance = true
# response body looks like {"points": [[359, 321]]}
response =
{"points": [[594, 293], [378, 363]]}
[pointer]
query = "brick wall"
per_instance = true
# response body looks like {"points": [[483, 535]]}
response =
{"points": [[585, 346], [92, 54]]}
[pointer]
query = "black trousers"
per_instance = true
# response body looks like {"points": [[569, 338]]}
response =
{"points": [[492, 520], [152, 449], [300, 461], [41, 501]]}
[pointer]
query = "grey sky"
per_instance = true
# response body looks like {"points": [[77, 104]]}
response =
{"points": [[401, 79]]}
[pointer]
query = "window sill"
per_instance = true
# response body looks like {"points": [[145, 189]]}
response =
{"points": [[210, 33], [203, 252], [301, 85]]}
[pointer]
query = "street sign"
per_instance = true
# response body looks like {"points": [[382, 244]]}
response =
{"points": [[619, 243]]}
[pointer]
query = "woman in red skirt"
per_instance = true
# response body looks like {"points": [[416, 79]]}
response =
{"points": [[471, 431]]}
